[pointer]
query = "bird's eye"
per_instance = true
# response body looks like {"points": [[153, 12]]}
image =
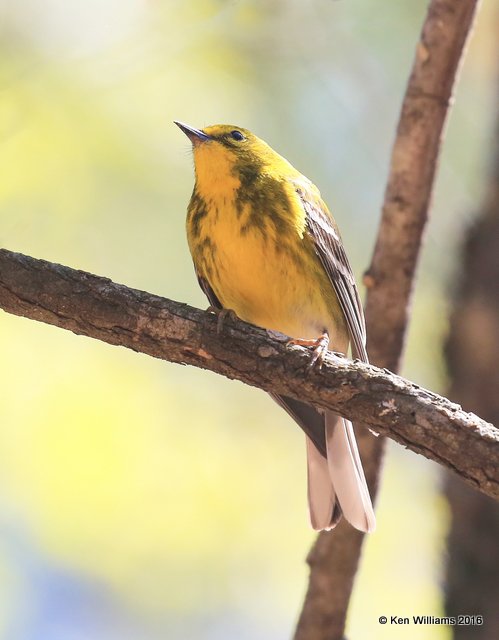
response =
{"points": [[237, 135]]}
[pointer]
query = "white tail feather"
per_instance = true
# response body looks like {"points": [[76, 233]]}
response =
{"points": [[321, 496], [346, 473]]}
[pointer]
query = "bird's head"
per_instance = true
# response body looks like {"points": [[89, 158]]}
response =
{"points": [[227, 155]]}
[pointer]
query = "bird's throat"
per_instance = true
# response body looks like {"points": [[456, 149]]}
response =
{"points": [[215, 175]]}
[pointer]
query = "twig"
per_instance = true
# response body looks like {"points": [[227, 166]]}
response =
{"points": [[390, 279]]}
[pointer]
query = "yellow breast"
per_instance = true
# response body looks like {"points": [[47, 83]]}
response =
{"points": [[267, 279]]}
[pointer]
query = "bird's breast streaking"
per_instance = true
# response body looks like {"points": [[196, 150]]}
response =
{"points": [[255, 272]]}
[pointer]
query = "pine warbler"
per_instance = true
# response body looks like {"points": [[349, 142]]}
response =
{"points": [[265, 246]]}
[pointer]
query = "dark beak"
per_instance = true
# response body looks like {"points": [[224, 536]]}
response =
{"points": [[195, 135]]}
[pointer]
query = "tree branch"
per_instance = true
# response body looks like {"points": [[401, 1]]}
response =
{"points": [[96, 307], [390, 280]]}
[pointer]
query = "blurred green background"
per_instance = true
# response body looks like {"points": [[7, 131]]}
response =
{"points": [[140, 499]]}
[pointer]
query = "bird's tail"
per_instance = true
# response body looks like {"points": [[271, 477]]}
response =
{"points": [[337, 484]]}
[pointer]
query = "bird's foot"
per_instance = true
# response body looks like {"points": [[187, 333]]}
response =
{"points": [[319, 345], [222, 315]]}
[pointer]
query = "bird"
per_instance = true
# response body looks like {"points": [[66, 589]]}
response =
{"points": [[266, 248]]}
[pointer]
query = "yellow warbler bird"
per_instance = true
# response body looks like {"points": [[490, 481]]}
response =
{"points": [[265, 246]]}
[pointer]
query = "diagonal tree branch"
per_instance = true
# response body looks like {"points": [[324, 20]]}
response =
{"points": [[97, 307], [390, 280]]}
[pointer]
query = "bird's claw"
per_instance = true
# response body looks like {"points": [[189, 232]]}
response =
{"points": [[222, 315], [320, 346]]}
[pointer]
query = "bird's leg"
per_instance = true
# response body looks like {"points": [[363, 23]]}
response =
{"points": [[319, 345], [222, 315]]}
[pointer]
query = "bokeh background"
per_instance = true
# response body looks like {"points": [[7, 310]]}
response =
{"points": [[140, 499]]}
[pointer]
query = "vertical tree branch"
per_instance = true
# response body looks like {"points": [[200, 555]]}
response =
{"points": [[390, 280]]}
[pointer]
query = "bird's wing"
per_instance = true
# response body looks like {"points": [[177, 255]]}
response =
{"points": [[307, 417], [208, 292], [329, 248]]}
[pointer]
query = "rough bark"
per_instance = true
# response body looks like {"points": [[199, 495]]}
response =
{"points": [[390, 280], [472, 584], [92, 306]]}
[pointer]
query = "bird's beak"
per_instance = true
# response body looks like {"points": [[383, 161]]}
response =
{"points": [[195, 135]]}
